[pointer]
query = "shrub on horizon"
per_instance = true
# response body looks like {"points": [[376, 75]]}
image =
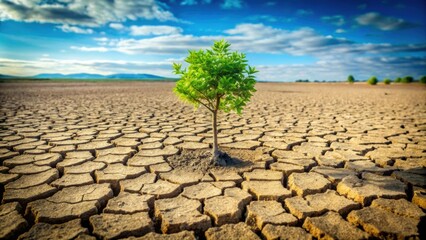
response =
{"points": [[387, 81], [351, 79], [423, 79], [217, 79], [398, 80], [407, 79], [372, 81]]}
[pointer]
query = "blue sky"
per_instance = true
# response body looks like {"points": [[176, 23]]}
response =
{"points": [[285, 39]]}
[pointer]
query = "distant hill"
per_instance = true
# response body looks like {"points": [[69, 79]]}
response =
{"points": [[133, 76], [2, 76], [73, 76], [97, 76]]}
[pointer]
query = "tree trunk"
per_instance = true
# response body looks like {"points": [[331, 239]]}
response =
{"points": [[215, 151]]}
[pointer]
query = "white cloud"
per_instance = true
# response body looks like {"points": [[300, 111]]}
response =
{"points": [[74, 29], [194, 2], [188, 2], [265, 39], [90, 49], [169, 44], [116, 26], [383, 23], [102, 39], [257, 38], [83, 12], [337, 20], [304, 12], [154, 30], [232, 4], [340, 30]]}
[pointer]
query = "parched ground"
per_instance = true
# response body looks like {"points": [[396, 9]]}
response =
{"points": [[112, 160]]}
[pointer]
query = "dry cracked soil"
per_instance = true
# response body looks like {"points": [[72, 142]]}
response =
{"points": [[127, 160]]}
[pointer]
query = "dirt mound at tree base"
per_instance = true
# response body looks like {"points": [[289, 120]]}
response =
{"points": [[201, 160]]}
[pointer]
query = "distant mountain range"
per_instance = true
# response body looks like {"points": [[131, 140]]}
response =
{"points": [[88, 76], [2, 76]]}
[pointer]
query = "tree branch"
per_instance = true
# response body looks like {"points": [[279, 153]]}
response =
{"points": [[210, 103], [205, 105]]}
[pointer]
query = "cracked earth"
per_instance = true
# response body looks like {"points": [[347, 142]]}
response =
{"points": [[93, 161]]}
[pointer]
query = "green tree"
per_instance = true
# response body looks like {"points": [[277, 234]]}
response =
{"points": [[218, 79], [351, 79], [387, 81], [423, 79], [372, 80], [398, 80], [407, 79]]}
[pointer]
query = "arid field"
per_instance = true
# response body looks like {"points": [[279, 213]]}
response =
{"points": [[109, 160]]}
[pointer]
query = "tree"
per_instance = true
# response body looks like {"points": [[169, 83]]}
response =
{"points": [[351, 79], [407, 79], [217, 79], [398, 80], [387, 81], [423, 79], [372, 80]]}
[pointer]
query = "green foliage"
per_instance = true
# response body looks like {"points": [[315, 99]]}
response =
{"points": [[423, 79], [372, 80], [398, 80], [216, 78], [407, 79], [387, 81], [351, 79]]}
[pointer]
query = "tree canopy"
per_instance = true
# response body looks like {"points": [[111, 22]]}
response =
{"points": [[216, 78], [372, 81], [387, 81], [407, 79]]}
